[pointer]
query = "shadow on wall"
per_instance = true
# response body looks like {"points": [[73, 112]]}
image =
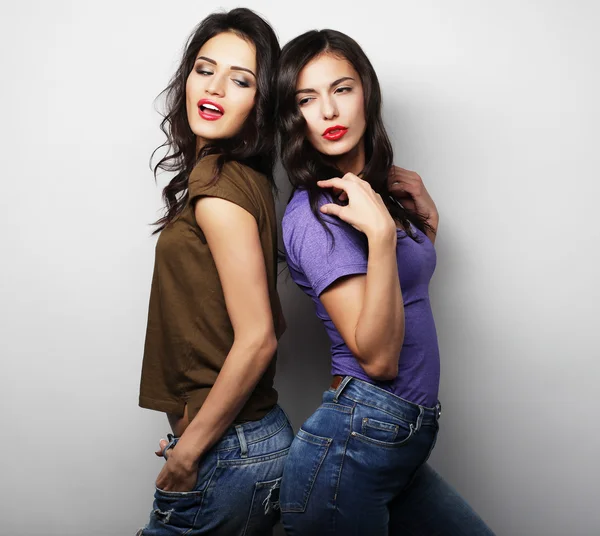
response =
{"points": [[303, 364], [303, 367]]}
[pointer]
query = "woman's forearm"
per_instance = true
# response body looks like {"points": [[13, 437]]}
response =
{"points": [[380, 327], [243, 368]]}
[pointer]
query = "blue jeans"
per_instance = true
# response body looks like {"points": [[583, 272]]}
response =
{"points": [[237, 489], [358, 467]]}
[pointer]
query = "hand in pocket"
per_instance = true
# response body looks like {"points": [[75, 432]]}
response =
{"points": [[180, 472]]}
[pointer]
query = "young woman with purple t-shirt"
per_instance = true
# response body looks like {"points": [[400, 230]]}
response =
{"points": [[359, 236]]}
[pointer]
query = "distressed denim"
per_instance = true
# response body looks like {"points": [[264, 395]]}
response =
{"points": [[237, 490], [357, 467]]}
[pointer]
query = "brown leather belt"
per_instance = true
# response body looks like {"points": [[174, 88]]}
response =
{"points": [[335, 383]]}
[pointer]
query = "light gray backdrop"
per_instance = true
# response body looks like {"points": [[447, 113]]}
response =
{"points": [[495, 104]]}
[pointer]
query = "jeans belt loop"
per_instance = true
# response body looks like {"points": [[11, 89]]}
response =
{"points": [[419, 419], [341, 387], [239, 430]]}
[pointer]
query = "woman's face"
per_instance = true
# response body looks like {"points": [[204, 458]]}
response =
{"points": [[329, 94], [221, 87]]}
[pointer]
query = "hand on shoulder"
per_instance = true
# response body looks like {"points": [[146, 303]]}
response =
{"points": [[408, 188]]}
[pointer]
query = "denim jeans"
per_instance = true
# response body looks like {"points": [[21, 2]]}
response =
{"points": [[358, 467], [237, 489]]}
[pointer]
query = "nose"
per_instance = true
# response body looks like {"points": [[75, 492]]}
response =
{"points": [[216, 86], [329, 108]]}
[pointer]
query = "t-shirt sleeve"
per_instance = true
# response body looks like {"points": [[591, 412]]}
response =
{"points": [[317, 258], [231, 184]]}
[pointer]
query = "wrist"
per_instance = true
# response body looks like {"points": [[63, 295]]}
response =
{"points": [[184, 456], [384, 237], [383, 230]]}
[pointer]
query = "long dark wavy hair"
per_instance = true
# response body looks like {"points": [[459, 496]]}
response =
{"points": [[303, 163], [254, 145]]}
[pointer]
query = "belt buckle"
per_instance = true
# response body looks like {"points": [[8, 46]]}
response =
{"points": [[438, 410]]}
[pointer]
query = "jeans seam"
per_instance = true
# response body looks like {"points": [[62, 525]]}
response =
{"points": [[384, 444], [337, 407], [430, 450], [395, 415], [374, 424], [199, 509], [319, 441], [314, 469], [204, 494], [337, 485], [264, 438], [388, 393], [254, 459]]}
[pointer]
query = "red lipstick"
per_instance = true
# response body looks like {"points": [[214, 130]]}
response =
{"points": [[209, 110], [335, 133]]}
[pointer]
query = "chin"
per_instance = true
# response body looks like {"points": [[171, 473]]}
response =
{"points": [[337, 149], [209, 133]]}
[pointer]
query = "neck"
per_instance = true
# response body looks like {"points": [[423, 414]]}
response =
{"points": [[200, 143], [353, 161]]}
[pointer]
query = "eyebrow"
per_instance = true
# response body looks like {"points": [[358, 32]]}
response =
{"points": [[233, 67], [333, 84]]}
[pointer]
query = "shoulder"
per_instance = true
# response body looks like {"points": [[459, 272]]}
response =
{"points": [[302, 231], [298, 217], [299, 211], [232, 181], [296, 209], [206, 172], [320, 251]]}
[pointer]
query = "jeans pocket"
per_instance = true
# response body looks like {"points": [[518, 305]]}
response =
{"points": [[178, 509], [264, 509], [301, 469], [385, 434], [383, 431]]}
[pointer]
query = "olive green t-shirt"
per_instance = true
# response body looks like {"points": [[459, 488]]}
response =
{"points": [[189, 332]]}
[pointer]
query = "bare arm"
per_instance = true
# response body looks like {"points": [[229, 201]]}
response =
{"points": [[233, 238], [368, 310]]}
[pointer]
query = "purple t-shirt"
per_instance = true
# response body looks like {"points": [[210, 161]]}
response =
{"points": [[314, 265]]}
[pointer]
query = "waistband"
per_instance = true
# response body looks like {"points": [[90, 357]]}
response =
{"points": [[246, 433], [371, 395], [253, 431]]}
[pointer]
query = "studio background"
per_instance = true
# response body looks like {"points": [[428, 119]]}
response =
{"points": [[494, 104]]}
